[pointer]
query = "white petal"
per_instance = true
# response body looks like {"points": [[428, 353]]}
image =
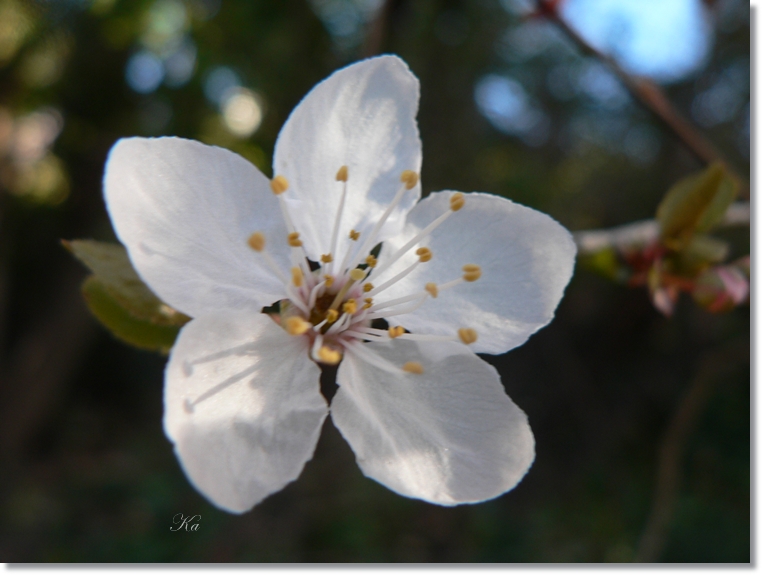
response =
{"points": [[242, 406], [362, 116], [449, 435], [526, 257], [185, 211]]}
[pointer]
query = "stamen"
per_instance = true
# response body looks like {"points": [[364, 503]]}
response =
{"points": [[331, 315], [431, 287], [467, 335], [293, 240], [398, 300], [257, 241], [296, 298], [326, 258], [400, 311], [297, 277], [396, 331], [328, 280], [354, 276], [368, 303], [296, 325], [413, 367], [367, 287], [314, 294], [278, 185], [457, 201], [328, 355], [354, 236], [395, 279], [409, 178], [343, 174], [350, 306], [371, 261], [471, 272], [424, 254]]}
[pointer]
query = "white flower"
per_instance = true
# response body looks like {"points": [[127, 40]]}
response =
{"points": [[215, 239]]}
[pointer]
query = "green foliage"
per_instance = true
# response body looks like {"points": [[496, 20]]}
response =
{"points": [[121, 301], [695, 204]]}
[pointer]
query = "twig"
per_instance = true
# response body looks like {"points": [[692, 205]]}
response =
{"points": [[669, 473], [646, 231], [650, 95], [376, 33]]}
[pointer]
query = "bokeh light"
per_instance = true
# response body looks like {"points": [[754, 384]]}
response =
{"points": [[242, 112], [144, 72]]}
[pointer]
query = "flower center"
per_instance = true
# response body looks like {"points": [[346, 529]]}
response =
{"points": [[335, 305]]}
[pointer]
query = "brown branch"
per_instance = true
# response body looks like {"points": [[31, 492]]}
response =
{"points": [[376, 32], [650, 95], [669, 474], [646, 231]]}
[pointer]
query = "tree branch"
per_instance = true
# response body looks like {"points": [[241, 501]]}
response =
{"points": [[645, 231], [650, 95]]}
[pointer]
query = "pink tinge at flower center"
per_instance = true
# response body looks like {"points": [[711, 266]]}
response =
{"points": [[335, 305]]}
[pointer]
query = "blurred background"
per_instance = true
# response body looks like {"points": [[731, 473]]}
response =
{"points": [[642, 422]]}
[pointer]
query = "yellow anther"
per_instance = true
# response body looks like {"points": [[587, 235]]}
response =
{"points": [[326, 258], [409, 178], [396, 331], [331, 315], [278, 185], [353, 235], [350, 306], [297, 276], [367, 287], [293, 240], [296, 325], [257, 241], [471, 272], [371, 261], [357, 274], [457, 201], [413, 367], [328, 280], [328, 355], [343, 174], [424, 254], [368, 303], [467, 335], [432, 288]]}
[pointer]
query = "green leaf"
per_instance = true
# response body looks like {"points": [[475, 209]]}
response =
{"points": [[695, 203], [701, 252], [606, 263], [135, 331], [111, 266]]}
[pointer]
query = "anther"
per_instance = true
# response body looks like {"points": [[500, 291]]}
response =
{"points": [[457, 201], [328, 355], [368, 303], [413, 367], [278, 185], [297, 276], [367, 287], [432, 288], [424, 254], [257, 241], [331, 315], [295, 325], [371, 261], [357, 274], [467, 335], [350, 306], [328, 280], [396, 331], [326, 258], [343, 174], [293, 240], [409, 178], [471, 272], [354, 236]]}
